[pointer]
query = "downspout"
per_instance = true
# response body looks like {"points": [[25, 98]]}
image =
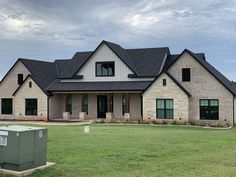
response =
{"points": [[233, 111], [48, 108]]}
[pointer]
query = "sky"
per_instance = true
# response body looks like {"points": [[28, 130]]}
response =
{"points": [[56, 29]]}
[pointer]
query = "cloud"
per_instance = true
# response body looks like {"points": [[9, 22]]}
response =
{"points": [[57, 28]]}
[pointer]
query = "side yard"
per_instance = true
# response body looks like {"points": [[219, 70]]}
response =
{"points": [[130, 150]]}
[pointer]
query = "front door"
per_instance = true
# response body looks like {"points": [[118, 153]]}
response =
{"points": [[102, 106]]}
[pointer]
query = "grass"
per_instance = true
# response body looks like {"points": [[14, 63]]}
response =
{"points": [[133, 151]]}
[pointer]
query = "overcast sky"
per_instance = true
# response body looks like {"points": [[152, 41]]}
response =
{"points": [[56, 29]]}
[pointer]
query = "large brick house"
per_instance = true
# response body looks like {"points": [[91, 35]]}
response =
{"points": [[113, 82]]}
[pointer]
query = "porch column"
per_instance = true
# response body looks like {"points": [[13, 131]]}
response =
{"points": [[82, 114], [110, 103]]}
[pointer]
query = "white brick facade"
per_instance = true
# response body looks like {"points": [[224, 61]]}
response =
{"points": [[170, 91]]}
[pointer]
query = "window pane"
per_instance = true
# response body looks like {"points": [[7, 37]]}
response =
{"points": [[203, 102], [185, 74], [104, 69], [213, 102], [209, 109], [169, 114], [111, 69], [98, 69], [160, 104], [69, 104], [20, 79], [31, 107], [85, 104], [6, 106], [160, 113], [169, 104]]}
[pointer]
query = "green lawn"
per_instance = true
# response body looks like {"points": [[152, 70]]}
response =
{"points": [[128, 150]]}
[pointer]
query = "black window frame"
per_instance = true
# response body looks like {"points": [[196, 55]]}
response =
{"points": [[124, 104], [30, 84], [85, 105], [209, 112], [7, 108], [69, 104], [20, 79], [105, 63], [31, 110], [164, 109], [186, 74], [164, 82]]}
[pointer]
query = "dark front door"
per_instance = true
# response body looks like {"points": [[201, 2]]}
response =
{"points": [[102, 106]]}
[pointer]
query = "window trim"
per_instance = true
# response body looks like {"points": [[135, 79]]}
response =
{"points": [[11, 112], [183, 78], [164, 82], [30, 84], [124, 106], [69, 109], [105, 62], [209, 100], [26, 114], [165, 109], [85, 106]]}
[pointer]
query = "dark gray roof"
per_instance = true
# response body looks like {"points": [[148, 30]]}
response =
{"points": [[171, 59], [143, 62], [58, 86], [148, 61], [43, 73], [67, 68]]}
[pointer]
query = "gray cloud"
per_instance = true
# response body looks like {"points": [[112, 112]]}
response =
{"points": [[58, 28]]}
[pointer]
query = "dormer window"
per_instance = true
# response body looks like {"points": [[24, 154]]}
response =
{"points": [[105, 69], [20, 79]]}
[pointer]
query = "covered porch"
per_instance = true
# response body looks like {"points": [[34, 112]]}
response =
{"points": [[108, 106]]}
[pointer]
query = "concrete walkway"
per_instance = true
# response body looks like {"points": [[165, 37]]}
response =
{"points": [[44, 123]]}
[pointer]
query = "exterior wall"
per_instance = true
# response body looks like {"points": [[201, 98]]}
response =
{"points": [[34, 92], [92, 106], [135, 106], [55, 106], [104, 53], [9, 85], [203, 85], [170, 91]]}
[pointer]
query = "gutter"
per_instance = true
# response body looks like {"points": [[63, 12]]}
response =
{"points": [[48, 108], [233, 111]]}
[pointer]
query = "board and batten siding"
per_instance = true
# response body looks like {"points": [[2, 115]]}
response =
{"points": [[203, 85], [170, 91], [104, 53]]}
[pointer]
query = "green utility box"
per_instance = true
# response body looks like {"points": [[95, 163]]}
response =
{"points": [[22, 147]]}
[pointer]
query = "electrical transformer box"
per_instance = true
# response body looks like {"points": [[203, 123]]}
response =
{"points": [[22, 147]]}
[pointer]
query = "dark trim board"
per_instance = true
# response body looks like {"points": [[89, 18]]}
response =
{"points": [[105, 62]]}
